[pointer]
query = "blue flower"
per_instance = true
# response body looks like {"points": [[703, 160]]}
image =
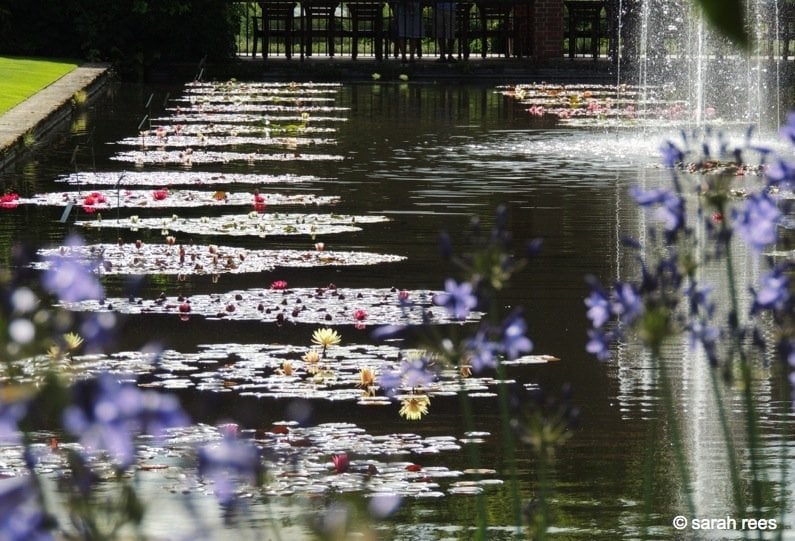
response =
{"points": [[10, 414], [707, 336], [598, 305], [227, 462], [416, 372], [757, 221], [21, 517], [780, 173], [71, 281], [670, 207], [389, 380], [482, 351], [106, 415], [514, 340], [599, 344], [626, 303], [788, 130], [457, 299], [774, 292], [671, 154]]}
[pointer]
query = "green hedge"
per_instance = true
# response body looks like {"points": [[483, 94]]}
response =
{"points": [[134, 34]]}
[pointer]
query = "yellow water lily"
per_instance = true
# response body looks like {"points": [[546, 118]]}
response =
{"points": [[72, 340], [326, 337], [413, 407]]}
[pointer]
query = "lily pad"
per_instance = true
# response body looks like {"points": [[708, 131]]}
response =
{"points": [[274, 371], [254, 223], [202, 260], [323, 305], [177, 178], [172, 198], [235, 117], [203, 140], [191, 156]]}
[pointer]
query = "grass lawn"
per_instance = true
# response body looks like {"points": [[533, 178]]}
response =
{"points": [[20, 77]]}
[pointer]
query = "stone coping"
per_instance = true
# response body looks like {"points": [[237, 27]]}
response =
{"points": [[46, 109]]}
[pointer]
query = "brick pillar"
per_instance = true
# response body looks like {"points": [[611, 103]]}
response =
{"points": [[547, 29]]}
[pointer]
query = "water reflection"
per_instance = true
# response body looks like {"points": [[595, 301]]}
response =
{"points": [[430, 157]]}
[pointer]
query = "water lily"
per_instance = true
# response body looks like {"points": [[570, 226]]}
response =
{"points": [[279, 284], [72, 340], [367, 379], [403, 77], [376, 76], [326, 337], [413, 407], [341, 462]]}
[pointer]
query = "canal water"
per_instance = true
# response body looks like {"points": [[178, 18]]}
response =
{"points": [[431, 157]]}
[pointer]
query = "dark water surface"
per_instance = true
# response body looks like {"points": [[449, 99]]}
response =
{"points": [[431, 157]]}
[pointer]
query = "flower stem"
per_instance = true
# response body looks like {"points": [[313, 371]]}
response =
{"points": [[676, 438], [508, 446], [747, 381]]}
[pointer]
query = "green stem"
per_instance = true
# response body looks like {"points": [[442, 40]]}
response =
{"points": [[731, 452], [542, 516], [747, 380], [508, 446], [676, 435], [474, 457], [648, 474]]}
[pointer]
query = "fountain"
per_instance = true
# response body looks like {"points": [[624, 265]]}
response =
{"points": [[680, 62]]}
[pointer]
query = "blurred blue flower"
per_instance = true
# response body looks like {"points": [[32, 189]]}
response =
{"points": [[10, 414], [780, 172], [599, 344], [671, 154], [106, 415], [482, 351], [626, 303], [389, 380], [21, 517], [788, 129], [416, 372], [670, 207], [757, 221], [514, 340], [774, 293], [228, 462], [457, 298], [71, 281], [707, 336], [598, 305]]}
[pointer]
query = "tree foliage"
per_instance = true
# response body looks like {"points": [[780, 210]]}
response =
{"points": [[134, 34]]}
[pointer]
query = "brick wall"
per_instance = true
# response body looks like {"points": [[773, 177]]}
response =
{"points": [[547, 29]]}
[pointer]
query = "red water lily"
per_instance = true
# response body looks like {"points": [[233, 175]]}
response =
{"points": [[159, 195], [359, 314], [9, 200], [259, 202], [279, 284], [341, 462]]}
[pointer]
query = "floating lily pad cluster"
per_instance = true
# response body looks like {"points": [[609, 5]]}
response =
{"points": [[191, 156], [329, 458], [173, 198], [125, 179], [204, 140], [327, 305], [253, 223], [277, 371], [184, 260], [596, 104]]}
